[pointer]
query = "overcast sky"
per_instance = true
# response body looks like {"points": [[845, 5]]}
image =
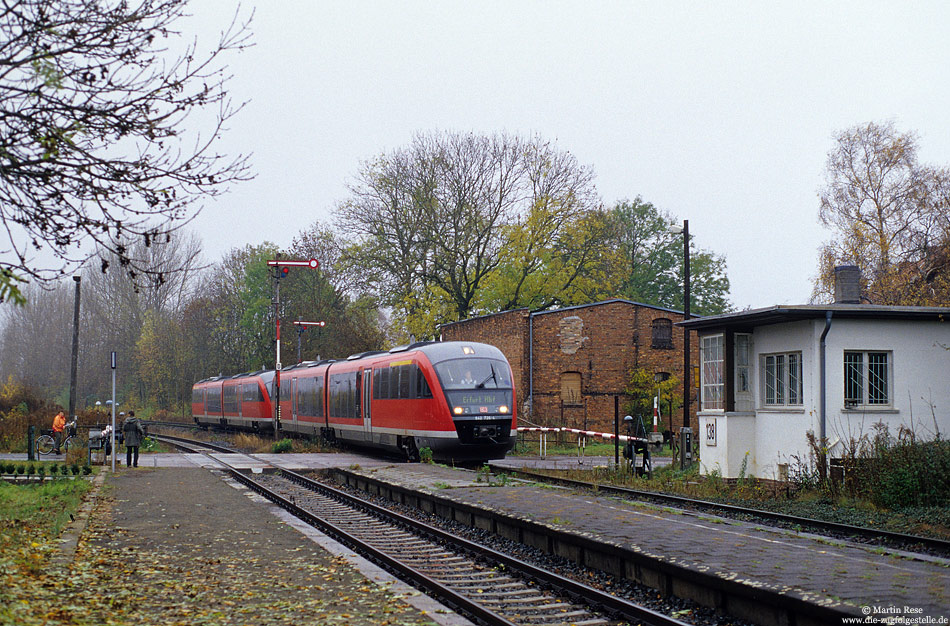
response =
{"points": [[720, 113]]}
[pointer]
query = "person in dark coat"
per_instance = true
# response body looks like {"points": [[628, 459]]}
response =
{"points": [[134, 433]]}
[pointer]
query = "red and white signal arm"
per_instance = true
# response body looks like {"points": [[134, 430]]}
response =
{"points": [[312, 263]]}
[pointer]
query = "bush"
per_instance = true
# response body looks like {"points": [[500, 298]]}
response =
{"points": [[897, 472], [20, 469], [74, 468], [10, 468], [41, 470], [284, 445], [30, 470], [425, 455], [86, 470]]}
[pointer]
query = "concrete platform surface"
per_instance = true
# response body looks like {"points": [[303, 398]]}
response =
{"points": [[254, 563], [806, 567]]}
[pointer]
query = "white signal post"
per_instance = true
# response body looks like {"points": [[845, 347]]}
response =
{"points": [[282, 269], [301, 327]]}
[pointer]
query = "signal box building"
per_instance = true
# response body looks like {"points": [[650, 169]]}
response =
{"points": [[772, 376], [569, 364]]}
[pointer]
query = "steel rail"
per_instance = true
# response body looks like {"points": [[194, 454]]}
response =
{"points": [[579, 592], [445, 595], [932, 543], [185, 442]]}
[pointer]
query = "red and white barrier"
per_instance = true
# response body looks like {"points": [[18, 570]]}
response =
{"points": [[545, 430]]}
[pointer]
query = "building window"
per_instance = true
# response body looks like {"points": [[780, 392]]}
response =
{"points": [[712, 348], [743, 356], [662, 334], [571, 389], [782, 379], [866, 376]]}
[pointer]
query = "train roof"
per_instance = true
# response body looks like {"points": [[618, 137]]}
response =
{"points": [[436, 351]]}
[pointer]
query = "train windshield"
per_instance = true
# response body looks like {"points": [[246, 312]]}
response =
{"points": [[474, 374]]}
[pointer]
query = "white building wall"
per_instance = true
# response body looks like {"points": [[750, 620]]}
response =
{"points": [[772, 437], [919, 385]]}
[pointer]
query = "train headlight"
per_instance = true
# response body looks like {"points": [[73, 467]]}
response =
{"points": [[458, 410], [503, 409]]}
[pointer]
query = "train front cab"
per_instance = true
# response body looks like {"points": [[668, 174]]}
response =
{"points": [[476, 385]]}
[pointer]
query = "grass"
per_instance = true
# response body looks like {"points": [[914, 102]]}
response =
{"points": [[31, 517], [251, 443], [595, 447]]}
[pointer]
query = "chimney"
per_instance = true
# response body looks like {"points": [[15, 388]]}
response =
{"points": [[847, 284]]}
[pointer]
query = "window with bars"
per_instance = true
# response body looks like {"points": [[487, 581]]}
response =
{"points": [[866, 379], [662, 331], [712, 348], [782, 379]]}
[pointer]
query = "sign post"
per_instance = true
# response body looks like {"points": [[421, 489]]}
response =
{"points": [[112, 434], [282, 268]]}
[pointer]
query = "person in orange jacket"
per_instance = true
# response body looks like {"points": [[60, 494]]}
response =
{"points": [[59, 425]]}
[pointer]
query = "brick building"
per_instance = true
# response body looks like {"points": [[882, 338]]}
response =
{"points": [[569, 364]]}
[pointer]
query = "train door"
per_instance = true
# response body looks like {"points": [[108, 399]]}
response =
{"points": [[293, 404], [240, 403], [367, 393]]}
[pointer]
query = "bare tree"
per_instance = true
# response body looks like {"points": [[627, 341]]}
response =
{"points": [[36, 339], [888, 213], [96, 147]]}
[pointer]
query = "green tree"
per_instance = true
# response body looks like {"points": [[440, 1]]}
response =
{"points": [[160, 361], [557, 255], [642, 387], [239, 294], [353, 319], [889, 214], [432, 224], [96, 145], [649, 262]]}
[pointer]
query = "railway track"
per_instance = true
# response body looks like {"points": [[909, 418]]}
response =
{"points": [[488, 586], [913, 543]]}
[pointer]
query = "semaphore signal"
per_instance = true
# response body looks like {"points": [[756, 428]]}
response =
{"points": [[282, 268]]}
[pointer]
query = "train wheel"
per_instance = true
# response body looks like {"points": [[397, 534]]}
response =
{"points": [[411, 450]]}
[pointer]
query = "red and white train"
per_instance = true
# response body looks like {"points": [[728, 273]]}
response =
{"points": [[455, 398]]}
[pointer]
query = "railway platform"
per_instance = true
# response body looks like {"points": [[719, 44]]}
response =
{"points": [[178, 525], [770, 562]]}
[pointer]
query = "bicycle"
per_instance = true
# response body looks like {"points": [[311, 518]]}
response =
{"points": [[46, 442]]}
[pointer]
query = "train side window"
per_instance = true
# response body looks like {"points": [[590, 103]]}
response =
{"points": [[307, 399], [376, 383], [214, 400], [336, 396], [384, 383], [405, 381], [422, 386], [231, 399]]}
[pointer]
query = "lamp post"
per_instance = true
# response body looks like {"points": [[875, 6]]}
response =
{"points": [[684, 229], [75, 355]]}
